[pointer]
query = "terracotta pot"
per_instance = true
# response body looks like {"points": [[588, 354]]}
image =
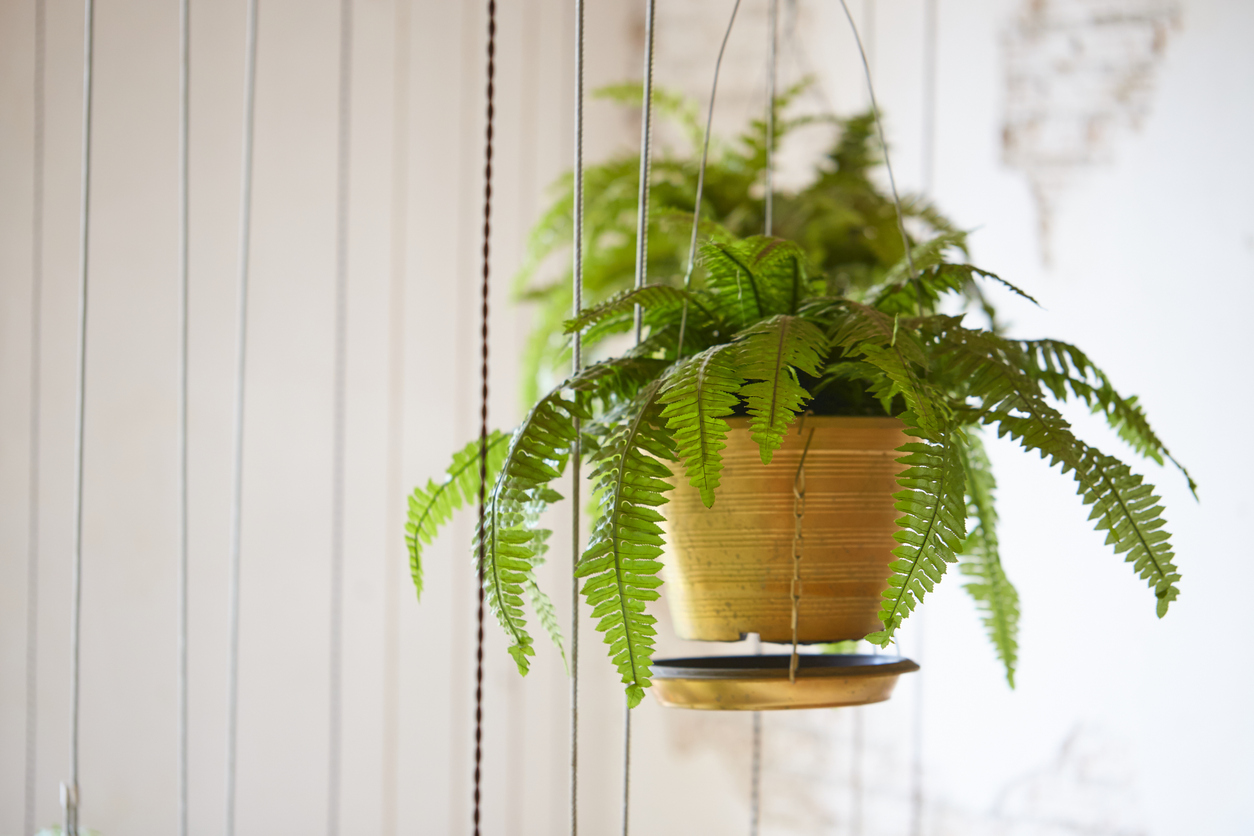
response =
{"points": [[729, 568]]}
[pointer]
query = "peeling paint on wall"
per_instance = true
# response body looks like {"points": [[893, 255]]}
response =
{"points": [[1079, 74]]}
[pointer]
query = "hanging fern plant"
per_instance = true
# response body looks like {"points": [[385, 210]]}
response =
{"points": [[769, 328]]}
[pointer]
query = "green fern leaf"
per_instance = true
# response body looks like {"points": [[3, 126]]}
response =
{"points": [[649, 296], [992, 369], [698, 395], [432, 506], [1126, 507], [507, 547], [876, 337], [992, 591], [1067, 371], [770, 354], [933, 525], [620, 563], [755, 278]]}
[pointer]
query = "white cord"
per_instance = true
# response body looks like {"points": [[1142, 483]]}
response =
{"points": [[576, 457], [183, 245], [69, 795], [237, 477], [335, 661], [36, 372]]}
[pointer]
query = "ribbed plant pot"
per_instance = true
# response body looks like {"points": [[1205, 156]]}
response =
{"points": [[729, 568]]}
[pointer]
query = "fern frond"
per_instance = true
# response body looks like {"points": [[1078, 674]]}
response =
{"points": [[1126, 507], [770, 354], [755, 278], [933, 523], [1067, 371], [1123, 504], [878, 338], [992, 591], [620, 563], [698, 395], [649, 296], [507, 546], [924, 256], [432, 506]]}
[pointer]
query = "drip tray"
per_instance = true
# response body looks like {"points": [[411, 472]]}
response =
{"points": [[760, 683]]}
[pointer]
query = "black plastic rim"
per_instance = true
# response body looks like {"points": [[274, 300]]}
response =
{"points": [[776, 666]]}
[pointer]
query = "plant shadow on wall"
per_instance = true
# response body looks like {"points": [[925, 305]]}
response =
{"points": [[835, 316]]}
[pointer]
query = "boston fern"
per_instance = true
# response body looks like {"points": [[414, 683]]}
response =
{"points": [[761, 332], [841, 218]]}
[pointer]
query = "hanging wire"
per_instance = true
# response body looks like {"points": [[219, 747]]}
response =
{"points": [[237, 476], [772, 65], [576, 452], [646, 138], [335, 665], [705, 154], [879, 127], [772, 42], [183, 245], [642, 266], [69, 791], [396, 414], [36, 372], [483, 409]]}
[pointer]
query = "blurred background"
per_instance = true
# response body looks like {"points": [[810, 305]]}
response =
{"points": [[1097, 149]]}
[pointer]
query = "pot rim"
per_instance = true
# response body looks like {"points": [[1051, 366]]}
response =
{"points": [[776, 666]]}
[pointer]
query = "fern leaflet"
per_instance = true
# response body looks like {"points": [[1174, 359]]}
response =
{"points": [[933, 525], [770, 354], [431, 507], [620, 563], [992, 591], [698, 395]]}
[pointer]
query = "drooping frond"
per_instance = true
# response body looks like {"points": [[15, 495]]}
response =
{"points": [[933, 522], [620, 563], [770, 354], [432, 506], [1067, 371], [1126, 507], [507, 542], [992, 369], [992, 591], [698, 395]]}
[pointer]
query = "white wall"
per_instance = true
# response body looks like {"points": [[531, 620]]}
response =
{"points": [[1121, 723]]}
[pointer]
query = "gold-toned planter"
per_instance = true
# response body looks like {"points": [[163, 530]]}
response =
{"points": [[760, 683], [729, 568]]}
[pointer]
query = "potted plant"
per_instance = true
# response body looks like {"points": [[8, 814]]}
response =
{"points": [[890, 394]]}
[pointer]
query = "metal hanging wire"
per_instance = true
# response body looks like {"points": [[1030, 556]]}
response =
{"points": [[888, 165], [705, 155], [576, 452], [69, 790], [339, 421], [483, 409], [237, 475], [183, 245], [36, 372], [772, 67], [642, 266]]}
